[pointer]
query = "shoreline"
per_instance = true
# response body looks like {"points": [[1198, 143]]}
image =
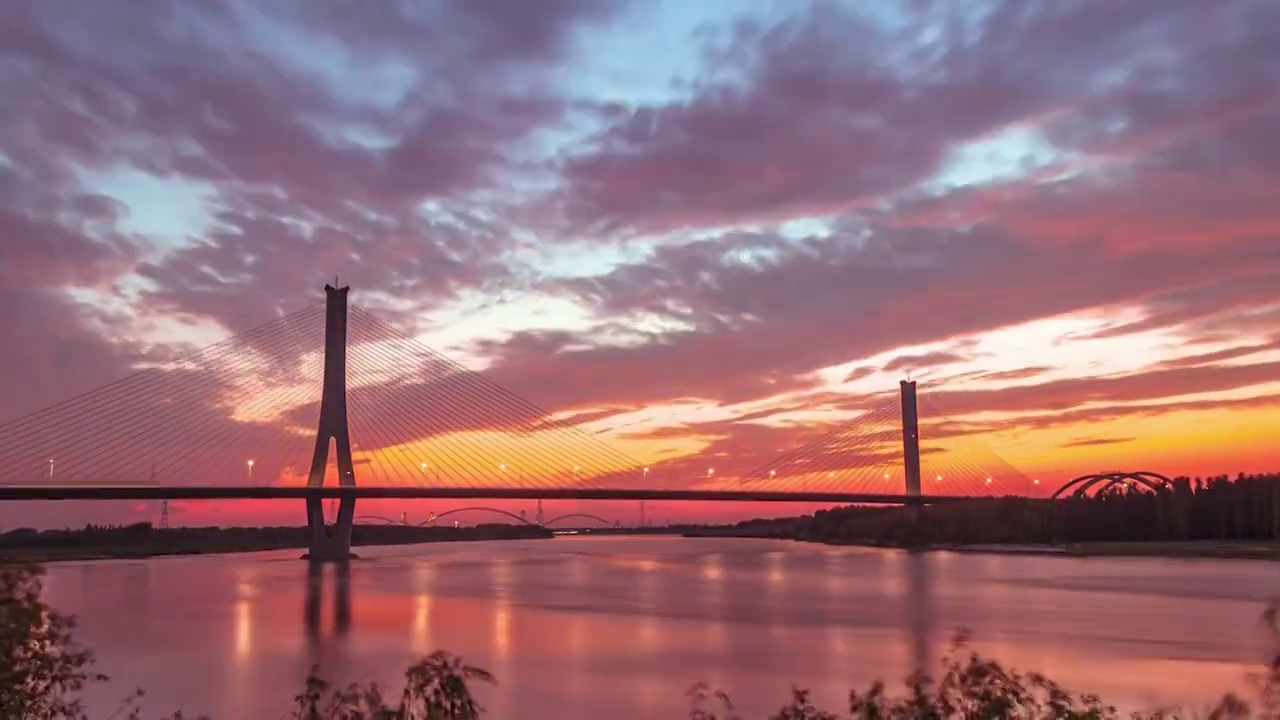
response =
{"points": [[41, 555], [1175, 549], [44, 556], [1202, 550], [1189, 550]]}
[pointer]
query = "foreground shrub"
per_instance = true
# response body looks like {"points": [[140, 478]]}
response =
{"points": [[41, 667], [436, 688]]}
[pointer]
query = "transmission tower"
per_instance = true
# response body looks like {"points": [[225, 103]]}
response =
{"points": [[164, 504]]}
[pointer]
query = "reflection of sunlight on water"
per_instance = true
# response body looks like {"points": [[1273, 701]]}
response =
{"points": [[244, 618], [834, 575], [890, 575], [777, 569], [579, 571], [775, 590], [502, 630], [423, 575], [501, 575], [579, 637], [713, 591], [835, 587], [648, 582], [246, 595], [422, 624], [650, 599], [711, 567], [244, 629], [649, 633]]}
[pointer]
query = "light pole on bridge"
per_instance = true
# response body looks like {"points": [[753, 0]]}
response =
{"points": [[435, 471]]}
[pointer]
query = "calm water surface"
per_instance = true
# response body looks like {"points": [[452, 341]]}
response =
{"points": [[619, 628]]}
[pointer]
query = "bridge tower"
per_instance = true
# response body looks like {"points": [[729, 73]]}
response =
{"points": [[911, 441], [332, 543], [538, 516]]}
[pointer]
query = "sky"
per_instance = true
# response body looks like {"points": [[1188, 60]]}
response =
{"points": [[706, 232]]}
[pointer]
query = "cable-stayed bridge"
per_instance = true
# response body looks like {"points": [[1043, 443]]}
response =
{"points": [[300, 407]]}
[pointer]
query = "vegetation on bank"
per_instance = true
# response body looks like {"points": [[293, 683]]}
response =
{"points": [[1221, 510], [43, 670], [143, 540]]}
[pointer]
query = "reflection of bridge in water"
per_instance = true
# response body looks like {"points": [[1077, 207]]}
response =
{"points": [[341, 599]]}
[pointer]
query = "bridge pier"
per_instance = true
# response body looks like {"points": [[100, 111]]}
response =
{"points": [[911, 446], [329, 544]]}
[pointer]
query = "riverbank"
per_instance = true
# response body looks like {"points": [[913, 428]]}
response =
{"points": [[143, 542], [1204, 549], [1208, 550]]}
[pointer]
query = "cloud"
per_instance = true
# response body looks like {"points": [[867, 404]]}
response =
{"points": [[319, 158], [1093, 442], [763, 328], [1140, 386], [924, 361], [828, 111]]}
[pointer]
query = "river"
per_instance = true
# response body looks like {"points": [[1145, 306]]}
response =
{"points": [[621, 627]]}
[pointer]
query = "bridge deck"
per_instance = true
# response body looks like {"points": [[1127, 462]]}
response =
{"points": [[231, 492]]}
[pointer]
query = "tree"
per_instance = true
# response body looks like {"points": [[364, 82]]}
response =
{"points": [[41, 667]]}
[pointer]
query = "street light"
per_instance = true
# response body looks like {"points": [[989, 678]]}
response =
{"points": [[710, 472], [50, 469], [939, 478], [250, 471], [772, 473]]}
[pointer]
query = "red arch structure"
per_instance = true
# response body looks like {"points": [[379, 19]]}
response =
{"points": [[577, 516], [1101, 482], [382, 520]]}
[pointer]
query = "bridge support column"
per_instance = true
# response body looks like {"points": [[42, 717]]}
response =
{"points": [[332, 543], [911, 445]]}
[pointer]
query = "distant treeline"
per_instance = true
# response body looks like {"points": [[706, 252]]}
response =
{"points": [[1219, 508], [216, 539]]}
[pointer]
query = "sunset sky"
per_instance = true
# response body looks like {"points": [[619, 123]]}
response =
{"points": [[706, 231]]}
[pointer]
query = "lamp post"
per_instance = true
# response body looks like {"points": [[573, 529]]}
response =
{"points": [[51, 470], [250, 471]]}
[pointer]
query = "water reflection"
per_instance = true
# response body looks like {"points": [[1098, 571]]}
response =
{"points": [[919, 612], [422, 609], [244, 629], [314, 586], [619, 628]]}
